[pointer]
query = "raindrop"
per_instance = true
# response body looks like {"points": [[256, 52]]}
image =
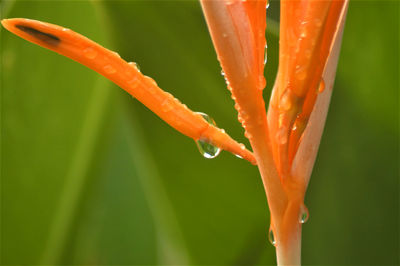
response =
{"points": [[109, 69], [134, 65], [207, 149], [303, 214], [267, 6], [321, 87], [281, 136], [271, 237], [266, 55], [286, 100], [247, 134], [90, 53], [116, 54], [222, 73], [166, 106]]}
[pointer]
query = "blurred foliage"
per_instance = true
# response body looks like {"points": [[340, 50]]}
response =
{"points": [[90, 176]]}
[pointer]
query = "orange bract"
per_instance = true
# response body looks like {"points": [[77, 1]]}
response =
{"points": [[307, 30], [128, 77]]}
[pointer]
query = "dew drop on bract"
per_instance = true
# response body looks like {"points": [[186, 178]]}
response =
{"points": [[222, 73], [243, 147], [134, 65], [207, 149], [271, 237], [266, 55], [303, 214], [109, 69], [321, 87], [281, 136], [90, 53]]}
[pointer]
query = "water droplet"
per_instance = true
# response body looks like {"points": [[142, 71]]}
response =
{"points": [[271, 237], [207, 149], [281, 136], [247, 134], [266, 55], [222, 73], [301, 72], [267, 6], [321, 87], [166, 106], [109, 69], [241, 147], [152, 84], [90, 53], [116, 54], [227, 82], [133, 80], [303, 214], [286, 101], [134, 65]]}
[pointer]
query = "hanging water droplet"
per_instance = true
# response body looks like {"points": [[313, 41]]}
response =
{"points": [[207, 149], [109, 69], [303, 214], [266, 55], [267, 6], [90, 53], [321, 87], [222, 73], [271, 237]]}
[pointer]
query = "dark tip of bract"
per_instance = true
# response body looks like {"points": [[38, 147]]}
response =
{"points": [[42, 36]]}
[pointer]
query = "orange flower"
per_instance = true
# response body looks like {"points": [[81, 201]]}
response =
{"points": [[285, 142]]}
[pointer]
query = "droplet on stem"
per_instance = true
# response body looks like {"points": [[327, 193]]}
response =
{"points": [[271, 237], [266, 55], [303, 214], [134, 65], [90, 53], [207, 149], [321, 87], [109, 69]]}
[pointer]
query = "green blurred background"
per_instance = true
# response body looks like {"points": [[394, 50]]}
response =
{"points": [[90, 176]]}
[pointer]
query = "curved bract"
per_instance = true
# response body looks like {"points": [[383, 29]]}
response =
{"points": [[126, 75]]}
